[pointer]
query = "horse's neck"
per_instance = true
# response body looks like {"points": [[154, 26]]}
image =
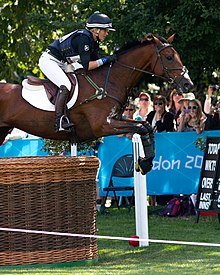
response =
{"points": [[124, 74], [136, 62], [139, 58]]}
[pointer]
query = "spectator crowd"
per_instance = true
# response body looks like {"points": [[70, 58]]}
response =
{"points": [[182, 113]]}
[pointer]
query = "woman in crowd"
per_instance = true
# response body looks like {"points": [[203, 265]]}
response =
{"points": [[144, 106], [161, 121], [212, 111], [184, 103], [213, 118], [159, 118], [195, 120], [174, 105], [128, 114]]}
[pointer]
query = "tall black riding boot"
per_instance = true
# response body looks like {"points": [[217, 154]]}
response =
{"points": [[62, 122]]}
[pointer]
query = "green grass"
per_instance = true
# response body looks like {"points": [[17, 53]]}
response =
{"points": [[117, 257]]}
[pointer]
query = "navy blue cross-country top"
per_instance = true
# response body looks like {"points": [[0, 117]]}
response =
{"points": [[78, 43]]}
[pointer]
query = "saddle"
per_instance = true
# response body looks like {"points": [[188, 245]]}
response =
{"points": [[50, 88]]}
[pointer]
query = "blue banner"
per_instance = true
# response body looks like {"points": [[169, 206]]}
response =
{"points": [[177, 163], [30, 147], [22, 147], [176, 169]]}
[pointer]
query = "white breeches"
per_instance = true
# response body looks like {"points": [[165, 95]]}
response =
{"points": [[53, 69]]}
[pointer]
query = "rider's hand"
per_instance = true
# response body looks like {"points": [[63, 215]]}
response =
{"points": [[210, 91], [111, 58]]}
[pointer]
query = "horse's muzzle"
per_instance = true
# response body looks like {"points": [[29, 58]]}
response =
{"points": [[187, 86], [183, 86], [185, 82]]}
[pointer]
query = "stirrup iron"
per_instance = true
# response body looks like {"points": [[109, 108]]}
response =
{"points": [[65, 124]]}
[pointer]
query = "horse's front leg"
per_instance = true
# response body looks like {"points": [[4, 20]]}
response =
{"points": [[124, 126], [145, 130], [142, 128]]}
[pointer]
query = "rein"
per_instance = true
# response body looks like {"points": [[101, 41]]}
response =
{"points": [[102, 93], [168, 78]]}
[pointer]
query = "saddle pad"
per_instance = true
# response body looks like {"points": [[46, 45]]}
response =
{"points": [[36, 96]]}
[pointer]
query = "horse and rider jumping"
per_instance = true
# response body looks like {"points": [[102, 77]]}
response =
{"points": [[104, 85]]}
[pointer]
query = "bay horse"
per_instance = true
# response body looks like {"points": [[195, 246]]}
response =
{"points": [[93, 117]]}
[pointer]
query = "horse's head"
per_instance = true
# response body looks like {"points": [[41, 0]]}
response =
{"points": [[167, 63]]}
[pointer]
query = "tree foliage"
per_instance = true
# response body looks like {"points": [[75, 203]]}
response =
{"points": [[27, 27]]}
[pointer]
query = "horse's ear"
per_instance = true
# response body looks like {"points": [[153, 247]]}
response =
{"points": [[170, 39], [151, 38], [156, 40]]}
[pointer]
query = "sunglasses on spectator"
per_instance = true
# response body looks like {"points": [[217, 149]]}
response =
{"points": [[158, 103], [194, 107], [129, 109], [144, 99], [179, 93]]}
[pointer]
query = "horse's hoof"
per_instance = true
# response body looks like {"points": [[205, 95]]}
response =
{"points": [[137, 169], [145, 165]]}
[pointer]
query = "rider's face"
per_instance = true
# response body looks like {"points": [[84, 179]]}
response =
{"points": [[102, 34], [99, 34]]}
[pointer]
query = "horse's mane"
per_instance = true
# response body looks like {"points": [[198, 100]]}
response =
{"points": [[138, 43]]}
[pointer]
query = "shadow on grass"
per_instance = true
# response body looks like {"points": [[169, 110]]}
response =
{"points": [[117, 257]]}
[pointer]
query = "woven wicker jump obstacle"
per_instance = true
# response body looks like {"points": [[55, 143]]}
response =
{"points": [[47, 194]]}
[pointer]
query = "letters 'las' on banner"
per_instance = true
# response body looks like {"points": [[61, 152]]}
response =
{"points": [[208, 196]]}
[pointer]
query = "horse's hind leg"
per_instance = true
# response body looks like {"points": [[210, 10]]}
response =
{"points": [[3, 133]]}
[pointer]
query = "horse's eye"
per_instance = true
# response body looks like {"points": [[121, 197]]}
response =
{"points": [[169, 58]]}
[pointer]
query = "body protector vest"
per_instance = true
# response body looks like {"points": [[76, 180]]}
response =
{"points": [[62, 48]]}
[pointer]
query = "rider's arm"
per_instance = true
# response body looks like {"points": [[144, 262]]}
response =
{"points": [[85, 52], [93, 65], [181, 126], [88, 56]]}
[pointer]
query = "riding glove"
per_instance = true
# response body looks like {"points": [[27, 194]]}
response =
{"points": [[111, 58]]}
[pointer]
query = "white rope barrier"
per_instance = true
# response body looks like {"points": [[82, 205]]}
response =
{"points": [[106, 237]]}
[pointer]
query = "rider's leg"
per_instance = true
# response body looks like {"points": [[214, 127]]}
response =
{"points": [[53, 70], [62, 122]]}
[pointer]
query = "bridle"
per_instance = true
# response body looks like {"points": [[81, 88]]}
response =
{"points": [[167, 78], [167, 70]]}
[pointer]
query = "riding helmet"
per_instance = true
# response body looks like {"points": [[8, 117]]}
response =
{"points": [[100, 21]]}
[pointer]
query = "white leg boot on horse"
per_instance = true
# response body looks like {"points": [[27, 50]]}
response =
{"points": [[62, 122]]}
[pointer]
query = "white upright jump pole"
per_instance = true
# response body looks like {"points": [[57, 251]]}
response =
{"points": [[73, 150], [140, 189]]}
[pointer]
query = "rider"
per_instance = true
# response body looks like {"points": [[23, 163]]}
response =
{"points": [[78, 46]]}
